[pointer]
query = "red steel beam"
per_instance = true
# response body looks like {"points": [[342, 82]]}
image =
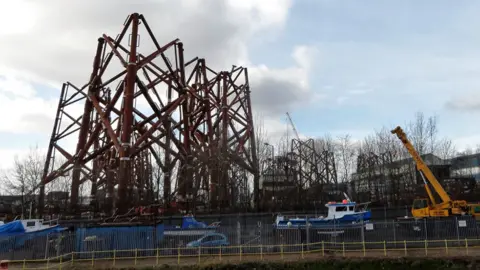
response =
{"points": [[82, 137], [126, 134], [212, 136]]}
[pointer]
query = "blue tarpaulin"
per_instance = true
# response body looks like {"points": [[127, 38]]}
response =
{"points": [[188, 222], [13, 235], [11, 229], [191, 222]]}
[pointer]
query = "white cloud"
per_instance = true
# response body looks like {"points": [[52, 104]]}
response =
{"points": [[276, 91], [7, 156], [304, 56], [23, 13], [216, 30], [47, 47], [22, 110], [466, 142], [17, 88], [467, 102]]}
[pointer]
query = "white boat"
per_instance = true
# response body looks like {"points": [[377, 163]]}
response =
{"points": [[340, 214], [28, 226]]}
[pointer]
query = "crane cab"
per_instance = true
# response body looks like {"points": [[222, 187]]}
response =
{"points": [[420, 208]]}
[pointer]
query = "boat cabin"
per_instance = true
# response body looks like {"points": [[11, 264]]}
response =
{"points": [[32, 225], [339, 210]]}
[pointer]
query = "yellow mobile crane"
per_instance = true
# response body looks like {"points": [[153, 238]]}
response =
{"points": [[429, 207]]}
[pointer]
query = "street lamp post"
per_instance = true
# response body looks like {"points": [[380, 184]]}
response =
{"points": [[273, 170]]}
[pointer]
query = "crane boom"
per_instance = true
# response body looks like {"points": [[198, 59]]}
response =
{"points": [[422, 167], [293, 126]]}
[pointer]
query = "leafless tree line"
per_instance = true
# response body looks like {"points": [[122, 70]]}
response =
{"points": [[378, 168], [22, 180]]}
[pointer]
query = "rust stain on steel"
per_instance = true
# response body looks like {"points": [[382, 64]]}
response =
{"points": [[192, 136]]}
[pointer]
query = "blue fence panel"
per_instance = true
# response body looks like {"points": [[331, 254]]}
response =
{"points": [[118, 237]]}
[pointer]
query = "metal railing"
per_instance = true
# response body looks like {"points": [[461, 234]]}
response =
{"points": [[229, 254]]}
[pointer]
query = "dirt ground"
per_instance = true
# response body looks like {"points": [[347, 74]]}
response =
{"points": [[236, 258]]}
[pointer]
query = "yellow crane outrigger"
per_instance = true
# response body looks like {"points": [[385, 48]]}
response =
{"points": [[429, 207]]}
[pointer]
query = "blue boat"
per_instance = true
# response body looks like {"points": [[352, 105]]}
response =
{"points": [[16, 233], [28, 226], [340, 214]]}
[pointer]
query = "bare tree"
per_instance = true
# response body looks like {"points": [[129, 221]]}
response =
{"points": [[62, 183], [389, 173], [157, 174], [346, 152], [446, 149], [263, 147], [25, 175], [423, 133], [261, 139], [432, 131]]}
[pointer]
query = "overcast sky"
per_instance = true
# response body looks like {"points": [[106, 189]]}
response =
{"points": [[336, 66]]}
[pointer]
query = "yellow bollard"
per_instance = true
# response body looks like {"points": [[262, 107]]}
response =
{"points": [[446, 246], [343, 249], [385, 248], [48, 263], [24, 264], [426, 249], [60, 265], [466, 245], [71, 262], [241, 251], [93, 258], [178, 255], [363, 247], [136, 252], [323, 248], [405, 246], [281, 251]]}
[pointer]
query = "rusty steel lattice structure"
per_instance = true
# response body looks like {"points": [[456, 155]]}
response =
{"points": [[315, 166], [153, 112], [296, 179]]}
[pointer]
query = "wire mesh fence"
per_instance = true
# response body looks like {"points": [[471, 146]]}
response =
{"points": [[238, 238]]}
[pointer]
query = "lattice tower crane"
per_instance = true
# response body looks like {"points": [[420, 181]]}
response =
{"points": [[293, 126]]}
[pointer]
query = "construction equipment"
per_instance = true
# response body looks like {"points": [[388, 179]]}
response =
{"points": [[429, 207], [293, 126]]}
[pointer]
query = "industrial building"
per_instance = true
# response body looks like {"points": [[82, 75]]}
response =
{"points": [[398, 182]]}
